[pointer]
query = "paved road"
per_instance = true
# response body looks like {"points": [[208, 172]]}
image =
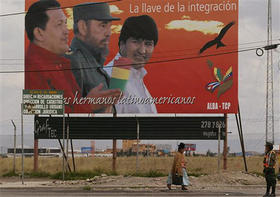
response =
{"points": [[55, 192]]}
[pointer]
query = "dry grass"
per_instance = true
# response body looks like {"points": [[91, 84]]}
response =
{"points": [[127, 165]]}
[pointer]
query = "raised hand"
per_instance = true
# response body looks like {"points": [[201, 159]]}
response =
{"points": [[103, 98]]}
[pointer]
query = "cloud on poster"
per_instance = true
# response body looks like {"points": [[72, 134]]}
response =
{"points": [[116, 29], [115, 9], [69, 15], [205, 27]]}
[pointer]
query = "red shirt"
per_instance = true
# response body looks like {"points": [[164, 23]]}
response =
{"points": [[46, 70]]}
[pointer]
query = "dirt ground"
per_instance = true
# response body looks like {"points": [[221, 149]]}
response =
{"points": [[227, 178], [224, 184], [202, 182]]}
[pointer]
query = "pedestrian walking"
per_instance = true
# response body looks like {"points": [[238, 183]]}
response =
{"points": [[178, 174]]}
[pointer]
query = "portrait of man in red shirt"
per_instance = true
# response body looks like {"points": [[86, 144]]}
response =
{"points": [[45, 64]]}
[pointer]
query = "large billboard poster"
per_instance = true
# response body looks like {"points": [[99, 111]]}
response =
{"points": [[176, 56]]}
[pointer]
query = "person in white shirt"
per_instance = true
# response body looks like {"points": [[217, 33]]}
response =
{"points": [[138, 38]]}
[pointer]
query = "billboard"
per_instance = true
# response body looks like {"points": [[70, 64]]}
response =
{"points": [[190, 147], [125, 128], [189, 63], [86, 149]]}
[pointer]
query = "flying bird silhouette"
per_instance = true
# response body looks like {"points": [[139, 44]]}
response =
{"points": [[218, 40]]}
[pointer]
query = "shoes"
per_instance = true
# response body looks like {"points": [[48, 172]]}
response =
{"points": [[272, 195], [169, 186], [184, 187], [266, 195]]}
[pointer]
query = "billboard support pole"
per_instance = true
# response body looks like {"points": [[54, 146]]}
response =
{"points": [[137, 154], [35, 158], [114, 145], [35, 167], [225, 143], [63, 152], [22, 150], [63, 136], [15, 142], [239, 127], [219, 152], [73, 158], [114, 154], [67, 141]]}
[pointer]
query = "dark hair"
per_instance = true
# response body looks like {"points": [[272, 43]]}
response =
{"points": [[181, 146], [139, 27], [269, 145], [36, 16], [75, 28]]}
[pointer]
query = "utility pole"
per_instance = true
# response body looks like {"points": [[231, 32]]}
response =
{"points": [[269, 131]]}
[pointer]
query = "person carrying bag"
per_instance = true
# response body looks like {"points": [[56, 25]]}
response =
{"points": [[178, 175]]}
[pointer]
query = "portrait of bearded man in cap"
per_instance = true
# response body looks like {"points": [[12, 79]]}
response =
{"points": [[138, 38], [92, 30]]}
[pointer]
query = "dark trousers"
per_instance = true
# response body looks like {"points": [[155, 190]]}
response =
{"points": [[270, 178]]}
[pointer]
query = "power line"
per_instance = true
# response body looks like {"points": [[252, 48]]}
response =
{"points": [[4, 59], [156, 57], [152, 62], [158, 52], [156, 61], [194, 53]]}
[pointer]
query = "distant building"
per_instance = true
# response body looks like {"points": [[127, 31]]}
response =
{"points": [[144, 148], [247, 153], [41, 151], [110, 150], [164, 147], [127, 145]]}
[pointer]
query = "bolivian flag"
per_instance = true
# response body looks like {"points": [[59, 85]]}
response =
{"points": [[120, 73]]}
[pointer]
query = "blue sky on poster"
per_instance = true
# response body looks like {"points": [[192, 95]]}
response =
{"points": [[252, 72]]}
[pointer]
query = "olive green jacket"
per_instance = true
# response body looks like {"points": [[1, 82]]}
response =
{"points": [[87, 67]]}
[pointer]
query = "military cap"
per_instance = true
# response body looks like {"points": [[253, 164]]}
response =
{"points": [[97, 10], [138, 27]]}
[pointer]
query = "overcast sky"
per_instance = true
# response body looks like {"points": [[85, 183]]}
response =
{"points": [[252, 74]]}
